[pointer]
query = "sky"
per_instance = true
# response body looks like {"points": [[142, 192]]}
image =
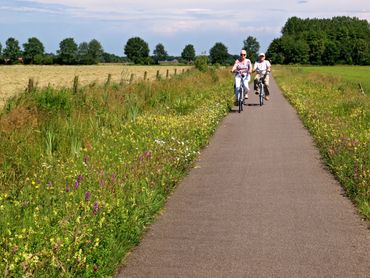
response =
{"points": [[174, 23]]}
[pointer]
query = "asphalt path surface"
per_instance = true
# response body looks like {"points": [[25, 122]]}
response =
{"points": [[259, 202]]}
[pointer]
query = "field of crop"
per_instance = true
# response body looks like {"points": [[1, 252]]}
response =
{"points": [[83, 173], [337, 114], [14, 79]]}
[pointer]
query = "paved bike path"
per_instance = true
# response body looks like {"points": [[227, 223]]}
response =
{"points": [[258, 203]]}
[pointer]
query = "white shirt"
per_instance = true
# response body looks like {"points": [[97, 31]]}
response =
{"points": [[261, 67]]}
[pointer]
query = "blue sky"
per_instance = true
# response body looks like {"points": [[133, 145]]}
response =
{"points": [[173, 23]]}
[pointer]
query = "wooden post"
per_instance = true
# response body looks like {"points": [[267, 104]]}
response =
{"points": [[361, 89], [167, 73], [157, 76], [131, 78], [145, 75], [183, 70], [175, 71], [30, 85], [108, 80], [75, 84]]}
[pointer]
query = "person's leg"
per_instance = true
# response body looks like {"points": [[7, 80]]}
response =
{"points": [[237, 87], [267, 87], [256, 78], [246, 86]]}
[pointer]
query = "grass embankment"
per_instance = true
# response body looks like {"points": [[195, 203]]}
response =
{"points": [[83, 174], [337, 114]]}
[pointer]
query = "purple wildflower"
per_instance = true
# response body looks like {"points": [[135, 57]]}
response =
{"points": [[95, 208], [87, 196], [113, 177], [148, 154], [50, 184], [79, 178], [68, 189], [76, 184], [141, 157], [101, 182], [86, 159]]}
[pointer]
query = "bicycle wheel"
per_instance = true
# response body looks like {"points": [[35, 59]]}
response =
{"points": [[262, 93], [240, 100]]}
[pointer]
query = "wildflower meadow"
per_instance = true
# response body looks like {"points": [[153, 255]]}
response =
{"points": [[83, 173]]}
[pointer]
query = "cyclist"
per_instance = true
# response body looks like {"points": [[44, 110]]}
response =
{"points": [[242, 69], [262, 69]]}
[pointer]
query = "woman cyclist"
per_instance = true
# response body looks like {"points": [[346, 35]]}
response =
{"points": [[242, 69]]}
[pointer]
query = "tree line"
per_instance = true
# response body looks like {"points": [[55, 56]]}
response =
{"points": [[339, 40], [136, 51]]}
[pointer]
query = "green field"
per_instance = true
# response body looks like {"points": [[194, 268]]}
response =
{"points": [[352, 75], [337, 114]]}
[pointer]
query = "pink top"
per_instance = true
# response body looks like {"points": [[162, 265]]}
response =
{"points": [[242, 66]]}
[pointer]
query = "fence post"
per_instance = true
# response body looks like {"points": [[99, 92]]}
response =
{"points": [[157, 76], [108, 79], [175, 71], [167, 73], [75, 84], [145, 75], [183, 70], [131, 78], [30, 85]]}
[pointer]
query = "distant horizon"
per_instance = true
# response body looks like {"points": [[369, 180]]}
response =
{"points": [[175, 24]]}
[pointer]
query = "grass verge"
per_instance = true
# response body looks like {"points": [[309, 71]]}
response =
{"points": [[337, 115]]}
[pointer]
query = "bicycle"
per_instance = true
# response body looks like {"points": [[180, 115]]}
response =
{"points": [[241, 93], [261, 86]]}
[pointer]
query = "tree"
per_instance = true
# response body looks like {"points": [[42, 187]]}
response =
{"points": [[67, 51], [137, 50], [95, 51], [188, 54], [11, 51], [275, 52], [83, 55], [218, 53], [331, 52], [159, 53], [252, 46], [1, 50], [32, 48]]}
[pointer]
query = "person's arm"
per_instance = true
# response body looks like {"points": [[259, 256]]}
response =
{"points": [[268, 64], [234, 67]]}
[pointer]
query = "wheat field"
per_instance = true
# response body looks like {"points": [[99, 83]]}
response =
{"points": [[14, 79]]}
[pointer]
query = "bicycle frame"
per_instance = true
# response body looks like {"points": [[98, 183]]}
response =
{"points": [[261, 86], [241, 93]]}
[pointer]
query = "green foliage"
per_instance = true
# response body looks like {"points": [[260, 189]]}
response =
{"points": [[188, 53], [12, 51], [95, 51], [201, 63], [67, 51], [252, 46], [337, 115], [137, 50], [31, 49], [346, 40], [78, 189], [159, 53], [218, 53]]}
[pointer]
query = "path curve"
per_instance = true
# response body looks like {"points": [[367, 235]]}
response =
{"points": [[258, 203]]}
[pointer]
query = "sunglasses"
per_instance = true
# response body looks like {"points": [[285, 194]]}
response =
{"points": [[243, 54]]}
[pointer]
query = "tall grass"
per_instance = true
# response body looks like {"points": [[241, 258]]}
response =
{"points": [[83, 174], [337, 114]]}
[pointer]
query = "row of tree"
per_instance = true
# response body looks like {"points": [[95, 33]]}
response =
{"points": [[69, 53], [340, 40], [136, 51]]}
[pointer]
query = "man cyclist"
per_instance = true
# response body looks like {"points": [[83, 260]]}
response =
{"points": [[242, 69], [262, 69]]}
